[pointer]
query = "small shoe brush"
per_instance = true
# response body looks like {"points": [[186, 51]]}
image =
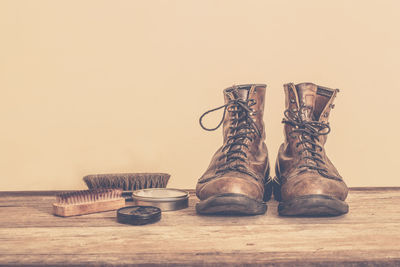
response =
{"points": [[88, 201], [128, 182]]}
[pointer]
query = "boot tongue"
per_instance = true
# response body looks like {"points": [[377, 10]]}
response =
{"points": [[241, 93], [235, 93], [307, 93]]}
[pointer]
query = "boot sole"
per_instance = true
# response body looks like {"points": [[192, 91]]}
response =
{"points": [[231, 204], [313, 206]]}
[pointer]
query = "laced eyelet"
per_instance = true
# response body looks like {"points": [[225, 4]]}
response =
{"points": [[309, 133], [236, 137], [251, 102]]}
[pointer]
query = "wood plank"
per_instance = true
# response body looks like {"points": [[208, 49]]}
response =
{"points": [[369, 235], [191, 191], [377, 207], [154, 244]]}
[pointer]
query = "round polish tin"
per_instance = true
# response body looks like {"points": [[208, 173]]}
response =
{"points": [[167, 199], [138, 215]]}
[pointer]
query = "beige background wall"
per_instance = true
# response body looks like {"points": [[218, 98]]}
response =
{"points": [[118, 86]]}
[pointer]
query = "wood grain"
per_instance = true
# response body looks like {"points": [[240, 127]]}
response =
{"points": [[369, 235]]}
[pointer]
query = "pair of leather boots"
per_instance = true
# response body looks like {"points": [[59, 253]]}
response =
{"points": [[238, 180]]}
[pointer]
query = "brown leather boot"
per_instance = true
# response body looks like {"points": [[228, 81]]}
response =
{"points": [[235, 179], [308, 183]]}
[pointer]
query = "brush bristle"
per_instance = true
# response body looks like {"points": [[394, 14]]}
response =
{"points": [[88, 196], [127, 181]]}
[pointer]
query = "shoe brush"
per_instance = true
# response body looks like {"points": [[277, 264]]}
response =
{"points": [[128, 182], [88, 201]]}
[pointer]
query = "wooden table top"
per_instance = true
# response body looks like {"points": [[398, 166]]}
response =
{"points": [[369, 235]]}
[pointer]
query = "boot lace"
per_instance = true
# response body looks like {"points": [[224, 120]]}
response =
{"points": [[242, 127], [309, 133]]}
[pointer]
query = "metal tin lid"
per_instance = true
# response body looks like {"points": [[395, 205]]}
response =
{"points": [[138, 215], [165, 198]]}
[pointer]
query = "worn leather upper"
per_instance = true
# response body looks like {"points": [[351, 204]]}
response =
{"points": [[223, 174], [299, 170]]}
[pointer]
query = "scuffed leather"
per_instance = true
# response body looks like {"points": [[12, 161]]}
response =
{"points": [[237, 183], [211, 183], [295, 182]]}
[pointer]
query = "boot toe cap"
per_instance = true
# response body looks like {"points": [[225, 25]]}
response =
{"points": [[230, 184], [313, 184]]}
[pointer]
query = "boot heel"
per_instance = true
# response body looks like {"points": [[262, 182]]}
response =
{"points": [[268, 188], [276, 189]]}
